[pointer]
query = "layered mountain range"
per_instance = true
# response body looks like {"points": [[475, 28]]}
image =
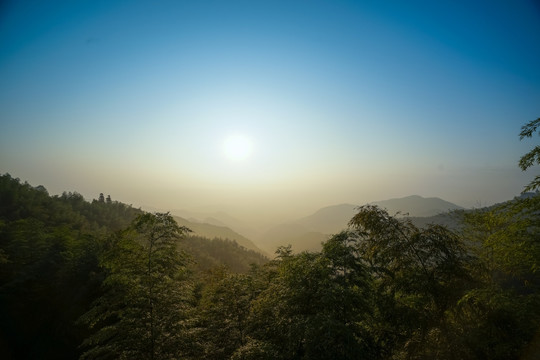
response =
{"points": [[307, 233]]}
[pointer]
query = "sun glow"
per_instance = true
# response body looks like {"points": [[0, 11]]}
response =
{"points": [[237, 147]]}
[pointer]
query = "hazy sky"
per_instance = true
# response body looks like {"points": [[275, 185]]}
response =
{"points": [[265, 108]]}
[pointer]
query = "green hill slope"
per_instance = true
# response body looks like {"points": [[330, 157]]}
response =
{"points": [[214, 231]]}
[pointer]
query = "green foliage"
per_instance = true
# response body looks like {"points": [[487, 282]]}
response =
{"points": [[142, 312], [224, 311], [383, 289], [256, 350], [502, 314], [418, 274], [505, 238], [532, 157], [49, 274], [313, 304], [56, 252], [211, 253]]}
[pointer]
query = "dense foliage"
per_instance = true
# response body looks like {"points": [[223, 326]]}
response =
{"points": [[56, 257], [102, 280], [49, 271], [211, 253]]}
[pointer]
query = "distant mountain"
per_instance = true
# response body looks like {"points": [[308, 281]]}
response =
{"points": [[308, 232], [330, 219], [453, 220], [450, 219], [211, 231], [295, 234], [214, 221], [309, 241], [417, 206], [218, 218]]}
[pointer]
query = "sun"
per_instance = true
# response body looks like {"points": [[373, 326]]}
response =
{"points": [[237, 147]]}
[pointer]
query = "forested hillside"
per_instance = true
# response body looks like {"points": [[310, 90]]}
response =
{"points": [[211, 253], [102, 280], [211, 231], [51, 270]]}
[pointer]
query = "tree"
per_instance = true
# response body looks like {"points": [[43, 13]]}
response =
{"points": [[418, 275], [143, 309], [502, 313], [532, 157], [49, 251], [313, 307], [224, 311]]}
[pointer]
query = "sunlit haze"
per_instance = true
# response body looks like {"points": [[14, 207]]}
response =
{"points": [[237, 147], [269, 109]]}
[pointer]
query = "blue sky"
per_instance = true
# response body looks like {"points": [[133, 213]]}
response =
{"points": [[342, 101]]}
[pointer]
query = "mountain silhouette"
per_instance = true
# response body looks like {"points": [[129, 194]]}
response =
{"points": [[308, 232]]}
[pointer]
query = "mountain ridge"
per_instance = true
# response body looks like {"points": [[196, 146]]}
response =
{"points": [[334, 218], [417, 206], [211, 231]]}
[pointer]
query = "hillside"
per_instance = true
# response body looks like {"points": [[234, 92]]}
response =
{"points": [[211, 231], [212, 253], [307, 233], [417, 206], [453, 219], [297, 235], [50, 251], [218, 218], [330, 219], [83, 262]]}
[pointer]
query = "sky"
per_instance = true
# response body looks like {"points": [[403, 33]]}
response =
{"points": [[269, 109]]}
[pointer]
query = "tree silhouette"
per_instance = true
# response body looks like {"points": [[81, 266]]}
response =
{"points": [[141, 314], [532, 157]]}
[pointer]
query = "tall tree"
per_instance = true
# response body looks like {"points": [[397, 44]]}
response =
{"points": [[142, 312], [313, 307], [502, 313], [418, 276], [224, 312]]}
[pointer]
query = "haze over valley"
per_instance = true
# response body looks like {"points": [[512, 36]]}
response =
{"points": [[307, 233]]}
